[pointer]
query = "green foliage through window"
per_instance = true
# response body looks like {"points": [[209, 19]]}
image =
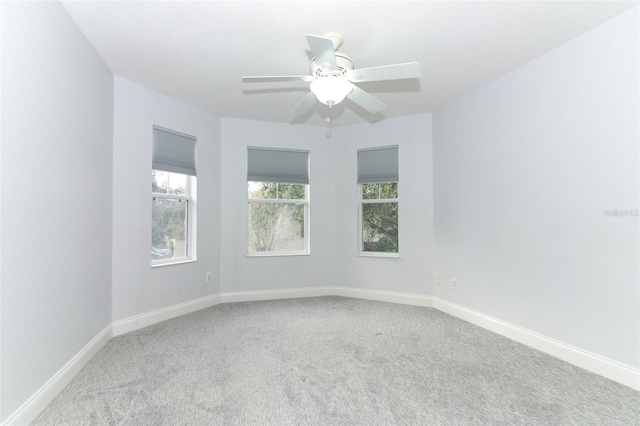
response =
{"points": [[379, 218], [379, 191], [276, 217]]}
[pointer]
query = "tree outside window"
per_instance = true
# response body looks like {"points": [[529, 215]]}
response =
{"points": [[379, 217], [277, 218]]}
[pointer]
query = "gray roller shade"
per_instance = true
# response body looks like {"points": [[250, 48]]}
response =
{"points": [[174, 152], [378, 165], [277, 165]]}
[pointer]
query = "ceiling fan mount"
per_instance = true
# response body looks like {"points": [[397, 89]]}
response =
{"points": [[336, 39], [333, 74]]}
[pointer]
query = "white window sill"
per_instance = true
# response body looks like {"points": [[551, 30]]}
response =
{"points": [[378, 254], [175, 262], [270, 254]]}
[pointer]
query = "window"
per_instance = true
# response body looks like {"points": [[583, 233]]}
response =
{"points": [[278, 207], [172, 194], [277, 218], [379, 217], [378, 184]]}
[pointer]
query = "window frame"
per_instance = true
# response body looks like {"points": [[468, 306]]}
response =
{"points": [[303, 202], [190, 220], [379, 200]]}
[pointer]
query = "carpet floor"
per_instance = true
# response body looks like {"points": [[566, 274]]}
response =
{"points": [[331, 361]]}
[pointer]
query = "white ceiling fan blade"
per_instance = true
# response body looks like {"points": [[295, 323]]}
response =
{"points": [[322, 49], [276, 78], [305, 104], [386, 72], [365, 100]]}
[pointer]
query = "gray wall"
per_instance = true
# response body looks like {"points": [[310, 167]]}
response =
{"points": [[242, 273], [57, 108], [333, 208], [412, 272], [524, 169], [137, 287]]}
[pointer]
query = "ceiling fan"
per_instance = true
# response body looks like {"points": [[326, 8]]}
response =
{"points": [[332, 76]]}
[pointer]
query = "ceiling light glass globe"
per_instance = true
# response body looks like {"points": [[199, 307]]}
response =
{"points": [[330, 90]]}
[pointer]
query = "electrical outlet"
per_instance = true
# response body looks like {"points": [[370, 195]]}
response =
{"points": [[454, 283], [209, 277], [437, 278]]}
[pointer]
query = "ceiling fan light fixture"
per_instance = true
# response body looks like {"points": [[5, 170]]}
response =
{"points": [[333, 76], [331, 90]]}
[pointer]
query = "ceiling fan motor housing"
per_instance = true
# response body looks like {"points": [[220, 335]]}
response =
{"points": [[344, 66]]}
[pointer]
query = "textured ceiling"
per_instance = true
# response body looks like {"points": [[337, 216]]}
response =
{"points": [[198, 51]]}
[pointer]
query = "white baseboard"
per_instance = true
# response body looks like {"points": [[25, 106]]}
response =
{"points": [[32, 408], [597, 364], [385, 296], [144, 320], [285, 293]]}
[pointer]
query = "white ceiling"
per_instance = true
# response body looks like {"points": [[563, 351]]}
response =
{"points": [[198, 51]]}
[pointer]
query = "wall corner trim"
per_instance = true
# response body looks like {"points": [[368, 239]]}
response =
{"points": [[144, 320], [36, 404], [613, 370]]}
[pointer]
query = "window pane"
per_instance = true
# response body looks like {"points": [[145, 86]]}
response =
{"points": [[177, 184], [389, 190], [380, 227], [275, 227], [263, 190], [169, 229], [282, 191], [159, 181], [168, 183], [370, 191], [291, 191]]}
